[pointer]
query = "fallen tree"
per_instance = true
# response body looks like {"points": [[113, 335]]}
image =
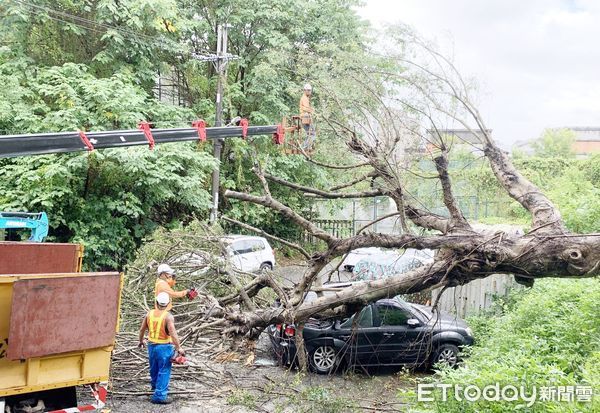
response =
{"points": [[427, 93], [424, 95]]}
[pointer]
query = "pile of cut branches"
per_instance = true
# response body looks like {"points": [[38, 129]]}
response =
{"points": [[198, 255]]}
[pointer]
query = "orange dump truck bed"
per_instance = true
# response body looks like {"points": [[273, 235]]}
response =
{"points": [[57, 325], [39, 257]]}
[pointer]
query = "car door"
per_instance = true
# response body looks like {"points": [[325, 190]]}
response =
{"points": [[255, 257], [266, 254], [361, 340], [241, 252], [401, 343]]}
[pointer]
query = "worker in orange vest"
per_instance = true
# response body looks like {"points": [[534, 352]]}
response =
{"points": [[306, 117], [163, 344], [166, 281]]}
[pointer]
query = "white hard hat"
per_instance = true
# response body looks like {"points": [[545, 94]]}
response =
{"points": [[163, 298], [307, 86], [165, 268]]}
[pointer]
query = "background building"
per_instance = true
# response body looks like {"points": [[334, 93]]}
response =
{"points": [[587, 141]]}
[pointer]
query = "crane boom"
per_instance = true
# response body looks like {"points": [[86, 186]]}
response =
{"points": [[46, 143]]}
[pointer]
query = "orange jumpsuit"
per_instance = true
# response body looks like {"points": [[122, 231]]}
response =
{"points": [[163, 286], [305, 110]]}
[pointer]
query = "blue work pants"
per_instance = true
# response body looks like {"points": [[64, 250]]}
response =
{"points": [[159, 356]]}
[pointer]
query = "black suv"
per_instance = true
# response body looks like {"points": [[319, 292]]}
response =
{"points": [[388, 332]]}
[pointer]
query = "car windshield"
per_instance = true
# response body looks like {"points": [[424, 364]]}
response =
{"points": [[401, 300], [406, 304], [425, 315], [244, 245]]}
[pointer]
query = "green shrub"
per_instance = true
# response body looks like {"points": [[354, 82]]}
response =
{"points": [[551, 337]]}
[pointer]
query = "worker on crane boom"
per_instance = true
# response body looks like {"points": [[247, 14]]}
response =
{"points": [[165, 283], [306, 117], [163, 342]]}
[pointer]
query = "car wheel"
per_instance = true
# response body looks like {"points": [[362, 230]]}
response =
{"points": [[323, 360], [265, 266], [446, 354]]}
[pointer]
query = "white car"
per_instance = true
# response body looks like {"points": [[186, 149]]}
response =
{"points": [[389, 263], [248, 253], [384, 261], [358, 254]]}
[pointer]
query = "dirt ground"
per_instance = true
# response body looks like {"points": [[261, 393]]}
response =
{"points": [[275, 389], [254, 383]]}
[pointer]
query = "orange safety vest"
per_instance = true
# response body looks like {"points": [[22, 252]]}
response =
{"points": [[157, 327]]}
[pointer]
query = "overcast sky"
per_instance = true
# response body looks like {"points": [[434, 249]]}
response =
{"points": [[537, 62]]}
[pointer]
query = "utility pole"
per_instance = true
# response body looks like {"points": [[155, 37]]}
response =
{"points": [[220, 60], [218, 144]]}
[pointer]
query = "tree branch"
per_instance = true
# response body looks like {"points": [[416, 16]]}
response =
{"points": [[457, 218], [318, 263], [368, 224], [261, 177], [241, 290], [458, 242], [324, 165], [453, 87], [283, 210], [250, 290], [461, 242], [354, 181], [324, 194], [544, 214], [426, 219], [422, 278], [426, 277]]}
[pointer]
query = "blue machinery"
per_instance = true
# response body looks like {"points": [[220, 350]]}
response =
{"points": [[36, 222]]}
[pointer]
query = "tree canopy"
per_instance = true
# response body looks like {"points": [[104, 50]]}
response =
{"points": [[94, 65]]}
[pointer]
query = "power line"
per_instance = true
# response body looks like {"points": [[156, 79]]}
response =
{"points": [[89, 25], [84, 20]]}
